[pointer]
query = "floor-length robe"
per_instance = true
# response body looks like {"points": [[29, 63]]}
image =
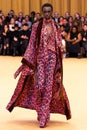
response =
{"points": [[42, 89]]}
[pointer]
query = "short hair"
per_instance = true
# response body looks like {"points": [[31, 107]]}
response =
{"points": [[47, 5], [33, 13]]}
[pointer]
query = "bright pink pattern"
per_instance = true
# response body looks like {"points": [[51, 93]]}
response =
{"points": [[42, 89]]}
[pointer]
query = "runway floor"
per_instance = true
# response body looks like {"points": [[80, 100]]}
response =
{"points": [[75, 82]]}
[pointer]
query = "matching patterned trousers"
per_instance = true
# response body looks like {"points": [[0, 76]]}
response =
{"points": [[44, 82]]}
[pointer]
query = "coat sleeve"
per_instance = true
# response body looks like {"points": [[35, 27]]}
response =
{"points": [[29, 57]]}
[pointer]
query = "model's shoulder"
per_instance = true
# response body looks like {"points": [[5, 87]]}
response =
{"points": [[35, 24]]}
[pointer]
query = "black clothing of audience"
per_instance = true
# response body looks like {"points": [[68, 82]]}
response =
{"points": [[24, 38]]}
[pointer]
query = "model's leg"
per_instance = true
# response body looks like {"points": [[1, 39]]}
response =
{"points": [[46, 95], [40, 79]]}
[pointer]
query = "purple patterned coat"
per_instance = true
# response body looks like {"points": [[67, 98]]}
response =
{"points": [[42, 88]]}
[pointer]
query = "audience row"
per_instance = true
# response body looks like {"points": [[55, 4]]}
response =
{"points": [[15, 33]]}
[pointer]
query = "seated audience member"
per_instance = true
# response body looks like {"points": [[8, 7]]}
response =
{"points": [[66, 25], [6, 40], [86, 20], [19, 19], [10, 15], [77, 24], [12, 24], [82, 21], [64, 34], [77, 17], [56, 17], [32, 17], [67, 15], [84, 40], [1, 30], [23, 22], [70, 21], [15, 41], [24, 38], [61, 20], [73, 42], [28, 21], [37, 17]]}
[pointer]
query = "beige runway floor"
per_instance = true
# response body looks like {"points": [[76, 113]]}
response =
{"points": [[75, 82]]}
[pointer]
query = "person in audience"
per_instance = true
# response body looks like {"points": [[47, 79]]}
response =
{"points": [[61, 20], [40, 86], [24, 38], [66, 25], [19, 19], [70, 21], [84, 40], [86, 20], [64, 33], [37, 17], [56, 17], [1, 30], [15, 43], [73, 42], [12, 24], [23, 22], [32, 17], [28, 21], [82, 21], [6, 40], [9, 16], [77, 17], [20, 16], [67, 15]]}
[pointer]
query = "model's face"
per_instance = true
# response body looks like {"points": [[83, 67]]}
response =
{"points": [[47, 12]]}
